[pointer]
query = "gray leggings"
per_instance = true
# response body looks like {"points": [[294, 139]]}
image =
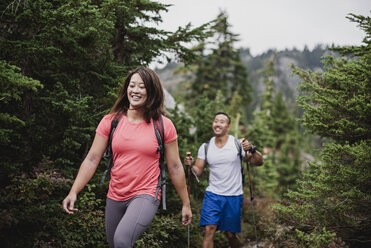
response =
{"points": [[127, 220]]}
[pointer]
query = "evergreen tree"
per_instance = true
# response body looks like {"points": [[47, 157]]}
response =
{"points": [[275, 129], [79, 51], [220, 68], [234, 110], [72, 57], [13, 87], [286, 143], [262, 135], [332, 202]]}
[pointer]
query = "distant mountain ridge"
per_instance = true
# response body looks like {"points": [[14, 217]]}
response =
{"points": [[283, 79]]}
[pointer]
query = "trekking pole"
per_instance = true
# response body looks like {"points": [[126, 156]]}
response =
{"points": [[252, 201], [189, 196]]}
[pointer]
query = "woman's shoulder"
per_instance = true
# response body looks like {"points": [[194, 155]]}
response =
{"points": [[105, 125], [167, 121], [165, 118], [169, 129], [107, 118]]}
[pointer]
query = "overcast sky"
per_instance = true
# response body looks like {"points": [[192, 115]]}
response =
{"points": [[276, 24]]}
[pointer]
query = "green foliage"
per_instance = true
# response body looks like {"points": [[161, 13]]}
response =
{"points": [[316, 239], [335, 194], [14, 87], [274, 129], [86, 228], [261, 132], [62, 50], [79, 51], [286, 143], [219, 69], [32, 216], [184, 125], [61, 65], [234, 110], [204, 117]]}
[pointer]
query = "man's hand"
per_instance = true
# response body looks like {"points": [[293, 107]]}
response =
{"points": [[246, 144], [188, 161]]}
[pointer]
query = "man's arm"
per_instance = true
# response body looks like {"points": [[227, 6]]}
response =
{"points": [[252, 155], [256, 159], [198, 167]]}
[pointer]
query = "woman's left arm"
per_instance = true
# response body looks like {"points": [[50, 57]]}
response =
{"points": [[177, 176]]}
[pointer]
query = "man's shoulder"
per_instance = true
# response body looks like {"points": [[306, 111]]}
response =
{"points": [[206, 144], [232, 137]]}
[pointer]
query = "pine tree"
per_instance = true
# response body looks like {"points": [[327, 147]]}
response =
{"points": [[220, 68], [72, 57], [334, 196], [287, 142], [234, 110], [275, 129], [79, 51], [261, 134], [13, 88]]}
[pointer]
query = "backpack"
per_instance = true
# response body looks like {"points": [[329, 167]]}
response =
{"points": [[239, 149], [158, 126]]}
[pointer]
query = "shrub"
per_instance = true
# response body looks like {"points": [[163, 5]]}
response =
{"points": [[31, 214]]}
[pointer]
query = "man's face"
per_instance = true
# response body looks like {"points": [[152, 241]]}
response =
{"points": [[221, 125]]}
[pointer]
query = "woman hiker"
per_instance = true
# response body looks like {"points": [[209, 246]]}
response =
{"points": [[131, 200]]}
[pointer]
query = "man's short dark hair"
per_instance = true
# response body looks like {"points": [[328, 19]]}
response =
{"points": [[223, 113]]}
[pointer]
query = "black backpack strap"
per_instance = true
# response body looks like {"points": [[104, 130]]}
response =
{"points": [[158, 125], [108, 153], [239, 149], [206, 147]]}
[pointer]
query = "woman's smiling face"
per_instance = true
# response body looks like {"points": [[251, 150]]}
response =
{"points": [[137, 92]]}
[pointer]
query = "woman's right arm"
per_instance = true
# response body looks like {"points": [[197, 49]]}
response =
{"points": [[86, 172]]}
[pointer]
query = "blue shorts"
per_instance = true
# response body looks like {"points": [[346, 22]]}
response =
{"points": [[223, 211]]}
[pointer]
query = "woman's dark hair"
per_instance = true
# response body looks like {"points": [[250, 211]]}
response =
{"points": [[154, 104]]}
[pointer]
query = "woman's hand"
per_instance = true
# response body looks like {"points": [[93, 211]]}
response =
{"points": [[68, 204], [186, 215], [86, 171]]}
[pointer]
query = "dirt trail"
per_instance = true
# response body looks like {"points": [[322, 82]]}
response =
{"points": [[253, 245]]}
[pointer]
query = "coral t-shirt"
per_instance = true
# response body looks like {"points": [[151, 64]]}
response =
{"points": [[135, 168]]}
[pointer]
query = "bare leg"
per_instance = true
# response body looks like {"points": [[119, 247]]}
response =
{"points": [[208, 241], [234, 241]]}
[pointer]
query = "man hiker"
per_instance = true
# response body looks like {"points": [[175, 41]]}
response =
{"points": [[222, 204]]}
